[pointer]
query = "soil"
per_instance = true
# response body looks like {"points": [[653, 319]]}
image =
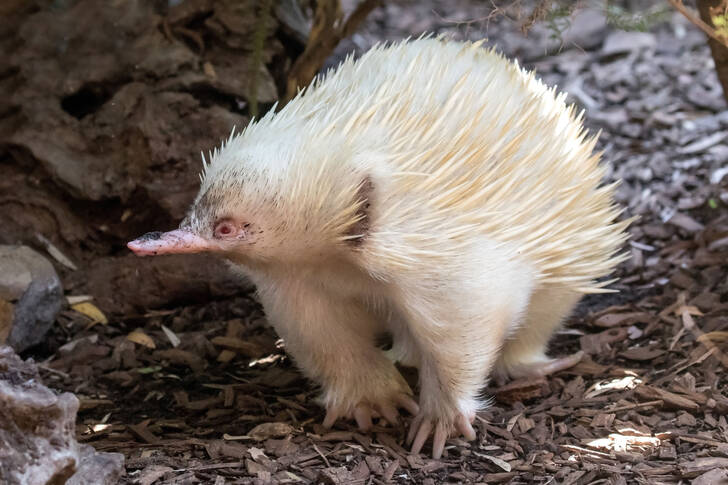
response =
{"points": [[109, 105]]}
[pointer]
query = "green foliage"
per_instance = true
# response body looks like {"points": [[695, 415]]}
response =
{"points": [[556, 15], [558, 19], [720, 23], [637, 21]]}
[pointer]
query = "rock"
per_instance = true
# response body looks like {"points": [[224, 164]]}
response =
{"points": [[122, 127], [30, 294], [587, 29], [97, 468], [16, 278], [111, 123], [620, 42], [37, 443]]}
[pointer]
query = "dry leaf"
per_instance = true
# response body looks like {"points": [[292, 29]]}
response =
{"points": [[91, 311], [75, 299], [141, 338], [56, 253], [173, 338], [495, 460]]}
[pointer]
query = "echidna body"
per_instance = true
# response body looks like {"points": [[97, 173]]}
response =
{"points": [[432, 190]]}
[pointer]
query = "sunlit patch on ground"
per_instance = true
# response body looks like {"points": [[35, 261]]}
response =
{"points": [[626, 440], [617, 384]]}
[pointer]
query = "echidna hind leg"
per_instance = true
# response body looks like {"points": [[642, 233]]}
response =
{"points": [[524, 353], [549, 366]]}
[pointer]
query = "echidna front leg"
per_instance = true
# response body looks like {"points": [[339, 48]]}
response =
{"points": [[459, 335], [332, 340]]}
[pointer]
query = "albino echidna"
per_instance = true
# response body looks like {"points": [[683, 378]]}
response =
{"points": [[432, 190]]}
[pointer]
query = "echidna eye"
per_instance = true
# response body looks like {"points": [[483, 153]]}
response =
{"points": [[224, 229]]}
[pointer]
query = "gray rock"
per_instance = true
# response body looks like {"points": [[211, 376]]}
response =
{"points": [[620, 42], [97, 468], [587, 29], [31, 286], [37, 427], [16, 278]]}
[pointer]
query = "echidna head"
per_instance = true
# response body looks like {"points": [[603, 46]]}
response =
{"points": [[269, 202]]}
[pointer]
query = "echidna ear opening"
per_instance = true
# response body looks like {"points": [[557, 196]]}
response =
{"points": [[179, 241], [359, 230]]}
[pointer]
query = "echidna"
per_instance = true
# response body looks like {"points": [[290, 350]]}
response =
{"points": [[431, 189]]}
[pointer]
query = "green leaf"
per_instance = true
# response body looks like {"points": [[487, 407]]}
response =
{"points": [[149, 370]]}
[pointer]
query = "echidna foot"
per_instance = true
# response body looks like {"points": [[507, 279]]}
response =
{"points": [[422, 427], [365, 411]]}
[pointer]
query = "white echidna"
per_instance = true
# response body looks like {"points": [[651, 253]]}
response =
{"points": [[431, 189]]}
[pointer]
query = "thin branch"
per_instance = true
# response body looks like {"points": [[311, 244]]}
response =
{"points": [[328, 30], [358, 16], [698, 22]]}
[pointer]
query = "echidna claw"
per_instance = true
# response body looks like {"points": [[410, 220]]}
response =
{"points": [[421, 428]]}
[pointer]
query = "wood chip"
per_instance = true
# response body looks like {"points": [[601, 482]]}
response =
{"points": [[670, 399], [270, 430]]}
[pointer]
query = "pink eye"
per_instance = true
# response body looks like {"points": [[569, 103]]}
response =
{"points": [[224, 229]]}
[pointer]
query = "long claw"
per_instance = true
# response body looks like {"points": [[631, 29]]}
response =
{"points": [[438, 442], [390, 414], [414, 426], [557, 365], [363, 417], [408, 403], [366, 411], [422, 435], [464, 427], [330, 419]]}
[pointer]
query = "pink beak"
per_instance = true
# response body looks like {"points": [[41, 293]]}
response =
{"points": [[172, 242]]}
